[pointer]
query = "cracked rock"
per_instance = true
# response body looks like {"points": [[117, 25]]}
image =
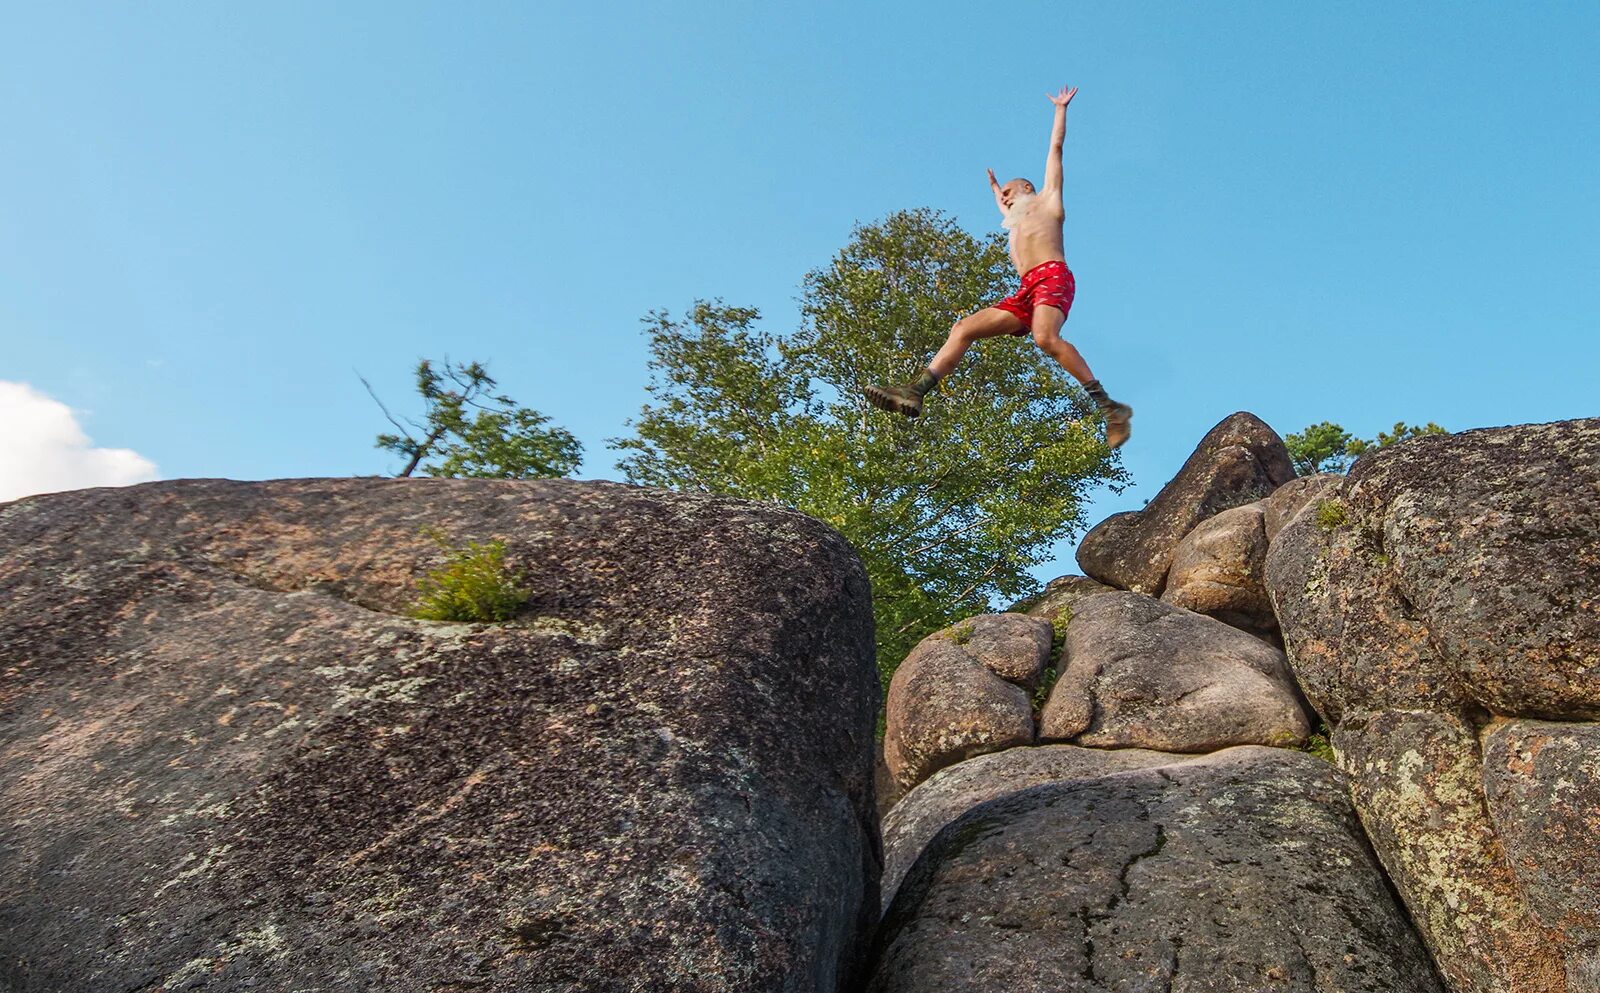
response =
{"points": [[951, 792], [1240, 871]]}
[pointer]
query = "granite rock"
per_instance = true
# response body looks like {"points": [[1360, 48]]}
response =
{"points": [[964, 691], [1242, 871], [1141, 673], [1239, 461], [230, 760]]}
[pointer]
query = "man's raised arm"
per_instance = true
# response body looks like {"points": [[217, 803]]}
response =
{"points": [[1058, 135], [994, 187]]}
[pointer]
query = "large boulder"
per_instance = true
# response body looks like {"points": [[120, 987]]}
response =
{"points": [[1140, 673], [1449, 571], [1452, 582], [1217, 570], [1239, 871], [1239, 461], [230, 760], [952, 791], [964, 691]]}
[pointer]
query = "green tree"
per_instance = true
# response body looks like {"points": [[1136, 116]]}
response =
{"points": [[469, 430], [1327, 447], [946, 511]]}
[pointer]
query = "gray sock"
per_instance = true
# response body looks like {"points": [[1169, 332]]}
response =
{"points": [[1097, 393], [925, 383]]}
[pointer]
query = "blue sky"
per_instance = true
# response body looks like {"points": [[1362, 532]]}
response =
{"points": [[215, 216]]}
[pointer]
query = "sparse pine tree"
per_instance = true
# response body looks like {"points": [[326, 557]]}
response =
{"points": [[469, 430]]}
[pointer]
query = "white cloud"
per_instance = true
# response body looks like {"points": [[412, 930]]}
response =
{"points": [[42, 449]]}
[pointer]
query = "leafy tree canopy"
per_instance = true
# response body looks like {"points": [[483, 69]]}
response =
{"points": [[947, 510], [469, 430], [1327, 447]]}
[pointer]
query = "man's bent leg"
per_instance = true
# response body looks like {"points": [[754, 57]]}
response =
{"points": [[1047, 321], [990, 322]]}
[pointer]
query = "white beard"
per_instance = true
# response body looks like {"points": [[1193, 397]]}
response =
{"points": [[1020, 208]]}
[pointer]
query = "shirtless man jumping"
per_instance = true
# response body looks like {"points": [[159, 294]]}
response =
{"points": [[1039, 307]]}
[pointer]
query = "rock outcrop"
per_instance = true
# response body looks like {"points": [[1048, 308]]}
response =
{"points": [[1239, 461], [229, 760], [1288, 500], [951, 792], [1441, 608], [1140, 673], [1219, 568], [962, 692], [1058, 597], [1242, 870]]}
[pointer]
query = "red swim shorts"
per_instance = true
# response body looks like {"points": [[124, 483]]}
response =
{"points": [[1048, 282]]}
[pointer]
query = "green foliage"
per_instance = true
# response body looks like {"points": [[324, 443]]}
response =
{"points": [[1047, 682], [1401, 432], [961, 633], [1058, 644], [476, 584], [467, 430], [1330, 514], [1320, 448], [1058, 632], [1327, 447], [1320, 745], [946, 511], [1059, 623]]}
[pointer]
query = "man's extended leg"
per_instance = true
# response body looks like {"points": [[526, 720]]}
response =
{"points": [[990, 322], [1047, 321]]}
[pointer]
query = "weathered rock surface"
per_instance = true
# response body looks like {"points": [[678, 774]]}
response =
{"points": [[1239, 871], [962, 692], [1059, 595], [1218, 570], [1239, 461], [1138, 672], [952, 791], [1416, 781], [1294, 496], [227, 761], [1542, 781], [1465, 570], [1451, 580]]}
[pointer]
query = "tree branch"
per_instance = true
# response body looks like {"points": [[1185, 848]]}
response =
{"points": [[387, 416], [423, 450]]}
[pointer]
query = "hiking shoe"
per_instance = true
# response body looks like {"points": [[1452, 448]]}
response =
{"points": [[895, 399], [1119, 425]]}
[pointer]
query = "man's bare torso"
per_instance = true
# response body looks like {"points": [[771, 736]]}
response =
{"points": [[1035, 226]]}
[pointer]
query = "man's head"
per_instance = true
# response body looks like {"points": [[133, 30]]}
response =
{"points": [[1015, 190]]}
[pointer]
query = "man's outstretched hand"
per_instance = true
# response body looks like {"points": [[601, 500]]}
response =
{"points": [[1064, 97], [992, 181]]}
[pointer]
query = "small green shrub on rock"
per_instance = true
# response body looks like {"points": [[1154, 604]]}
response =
{"points": [[476, 585], [1331, 514]]}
